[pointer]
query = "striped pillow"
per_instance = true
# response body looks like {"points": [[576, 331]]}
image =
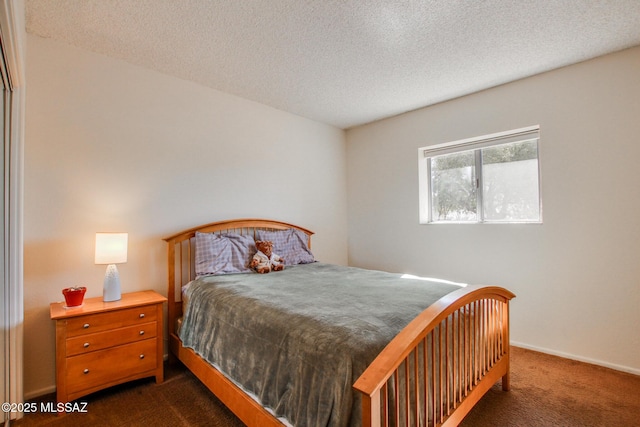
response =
{"points": [[223, 253]]}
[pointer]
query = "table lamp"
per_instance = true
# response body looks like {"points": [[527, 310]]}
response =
{"points": [[111, 249]]}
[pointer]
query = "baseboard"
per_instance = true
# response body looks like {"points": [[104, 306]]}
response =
{"points": [[39, 393], [614, 366]]}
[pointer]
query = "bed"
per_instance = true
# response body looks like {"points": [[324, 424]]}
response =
{"points": [[426, 362]]}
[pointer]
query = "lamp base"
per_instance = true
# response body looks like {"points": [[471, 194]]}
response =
{"points": [[111, 289]]}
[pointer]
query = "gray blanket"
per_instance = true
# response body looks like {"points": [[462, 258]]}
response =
{"points": [[298, 339]]}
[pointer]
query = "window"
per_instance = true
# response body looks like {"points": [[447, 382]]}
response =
{"points": [[493, 179]]}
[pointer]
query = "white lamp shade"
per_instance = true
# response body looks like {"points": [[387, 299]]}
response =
{"points": [[111, 248]]}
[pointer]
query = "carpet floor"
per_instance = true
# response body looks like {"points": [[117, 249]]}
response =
{"points": [[545, 391]]}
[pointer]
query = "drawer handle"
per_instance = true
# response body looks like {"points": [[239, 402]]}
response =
{"points": [[141, 332], [142, 356], [85, 345], [86, 371], [86, 326], [142, 315]]}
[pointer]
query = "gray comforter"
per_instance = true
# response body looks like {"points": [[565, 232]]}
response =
{"points": [[298, 339]]}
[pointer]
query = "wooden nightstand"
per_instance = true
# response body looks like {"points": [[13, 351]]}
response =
{"points": [[101, 344]]}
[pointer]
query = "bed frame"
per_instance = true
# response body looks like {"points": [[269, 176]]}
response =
{"points": [[465, 333]]}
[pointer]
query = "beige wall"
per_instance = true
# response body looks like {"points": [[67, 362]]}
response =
{"points": [[577, 276], [115, 147]]}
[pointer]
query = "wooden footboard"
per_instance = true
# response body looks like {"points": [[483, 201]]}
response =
{"points": [[442, 363]]}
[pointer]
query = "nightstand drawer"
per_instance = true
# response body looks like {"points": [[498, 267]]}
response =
{"points": [[82, 325], [100, 340], [97, 368]]}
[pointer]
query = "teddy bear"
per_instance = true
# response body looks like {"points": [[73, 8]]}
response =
{"points": [[265, 260]]}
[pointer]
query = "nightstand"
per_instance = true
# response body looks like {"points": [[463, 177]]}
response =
{"points": [[101, 344]]}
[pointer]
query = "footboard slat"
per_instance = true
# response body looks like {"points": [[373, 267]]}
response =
{"points": [[441, 363]]}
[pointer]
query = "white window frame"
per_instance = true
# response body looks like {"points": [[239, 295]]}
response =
{"points": [[424, 181]]}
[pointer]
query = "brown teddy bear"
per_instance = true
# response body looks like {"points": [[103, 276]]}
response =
{"points": [[265, 260]]}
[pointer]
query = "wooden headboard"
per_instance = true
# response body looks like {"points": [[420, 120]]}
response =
{"points": [[181, 254]]}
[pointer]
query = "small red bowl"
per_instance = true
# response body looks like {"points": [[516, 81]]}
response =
{"points": [[74, 296]]}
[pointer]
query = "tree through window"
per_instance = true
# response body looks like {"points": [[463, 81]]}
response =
{"points": [[487, 179]]}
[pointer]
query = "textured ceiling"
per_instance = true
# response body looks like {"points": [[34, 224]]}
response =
{"points": [[343, 62]]}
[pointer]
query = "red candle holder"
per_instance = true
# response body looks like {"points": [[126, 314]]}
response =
{"points": [[74, 295]]}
